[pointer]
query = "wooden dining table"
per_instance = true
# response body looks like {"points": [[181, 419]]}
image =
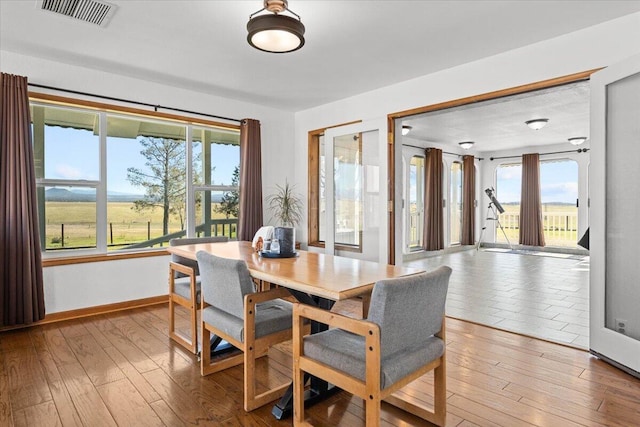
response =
{"points": [[312, 278], [326, 276]]}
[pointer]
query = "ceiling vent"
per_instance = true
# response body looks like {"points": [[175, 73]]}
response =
{"points": [[92, 11]]}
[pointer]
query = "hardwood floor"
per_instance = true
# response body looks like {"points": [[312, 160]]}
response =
{"points": [[121, 369]]}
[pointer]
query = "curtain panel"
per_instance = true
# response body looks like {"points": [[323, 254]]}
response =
{"points": [[22, 295], [468, 201], [250, 212], [531, 226], [433, 216]]}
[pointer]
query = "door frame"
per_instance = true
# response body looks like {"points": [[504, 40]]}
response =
{"points": [[395, 150]]}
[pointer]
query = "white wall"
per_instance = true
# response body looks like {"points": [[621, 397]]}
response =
{"points": [[84, 285], [594, 47], [69, 287]]}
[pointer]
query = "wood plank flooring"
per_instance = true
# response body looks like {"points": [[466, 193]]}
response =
{"points": [[120, 369]]}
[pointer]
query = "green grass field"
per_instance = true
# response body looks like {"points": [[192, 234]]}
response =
{"points": [[560, 225], [124, 224]]}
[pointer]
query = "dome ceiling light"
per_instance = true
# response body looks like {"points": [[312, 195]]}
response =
{"points": [[274, 32], [466, 144], [537, 124], [406, 129], [577, 140]]}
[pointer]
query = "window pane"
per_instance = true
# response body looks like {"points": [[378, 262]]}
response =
{"points": [[508, 188], [348, 189], [216, 156], [416, 204], [69, 217], [455, 202], [66, 143], [559, 190], [146, 181], [322, 203], [217, 213]]}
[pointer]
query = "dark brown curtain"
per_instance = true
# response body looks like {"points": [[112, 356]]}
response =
{"points": [[468, 201], [531, 228], [22, 296], [433, 223], [250, 214]]}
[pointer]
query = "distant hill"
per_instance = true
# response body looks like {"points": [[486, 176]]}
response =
{"points": [[83, 195], [64, 195]]}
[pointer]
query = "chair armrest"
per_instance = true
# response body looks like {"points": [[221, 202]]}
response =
{"points": [[175, 266], [189, 272], [258, 297], [356, 326]]}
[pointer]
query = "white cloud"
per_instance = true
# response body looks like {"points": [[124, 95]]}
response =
{"points": [[68, 172], [560, 192]]}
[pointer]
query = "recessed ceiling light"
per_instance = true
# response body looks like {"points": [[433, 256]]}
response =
{"points": [[577, 140], [466, 144], [537, 124], [406, 129]]}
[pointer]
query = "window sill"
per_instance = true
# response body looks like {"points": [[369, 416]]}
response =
{"points": [[82, 259]]}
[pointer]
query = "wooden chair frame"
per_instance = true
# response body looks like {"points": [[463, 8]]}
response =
{"points": [[369, 390], [252, 349], [190, 304]]}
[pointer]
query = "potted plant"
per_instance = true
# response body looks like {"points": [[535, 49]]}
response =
{"points": [[286, 208]]}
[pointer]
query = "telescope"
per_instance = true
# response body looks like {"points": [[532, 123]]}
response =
{"points": [[492, 215], [491, 194]]}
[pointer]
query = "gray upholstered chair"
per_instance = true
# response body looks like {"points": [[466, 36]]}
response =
{"points": [[402, 338], [184, 290], [250, 321]]}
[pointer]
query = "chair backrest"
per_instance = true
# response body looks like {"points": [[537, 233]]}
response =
{"points": [[409, 309], [224, 282], [192, 241]]}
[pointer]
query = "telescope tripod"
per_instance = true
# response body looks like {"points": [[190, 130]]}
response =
{"points": [[491, 210]]}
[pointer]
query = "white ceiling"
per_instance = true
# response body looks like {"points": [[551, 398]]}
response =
{"points": [[351, 46], [499, 124]]}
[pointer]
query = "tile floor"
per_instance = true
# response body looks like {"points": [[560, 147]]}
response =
{"points": [[541, 296]]}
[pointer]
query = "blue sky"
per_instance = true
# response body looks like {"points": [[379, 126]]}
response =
{"points": [[558, 182], [73, 154], [558, 179]]}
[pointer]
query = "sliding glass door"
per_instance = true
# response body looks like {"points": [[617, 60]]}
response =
{"points": [[355, 197]]}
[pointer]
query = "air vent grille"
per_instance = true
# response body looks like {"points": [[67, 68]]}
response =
{"points": [[92, 11]]}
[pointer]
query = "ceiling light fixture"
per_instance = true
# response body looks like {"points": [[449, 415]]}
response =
{"points": [[577, 140], [273, 32], [406, 129], [537, 124], [466, 144]]}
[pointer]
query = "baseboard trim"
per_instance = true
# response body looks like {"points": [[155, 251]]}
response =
{"points": [[92, 311], [618, 365]]}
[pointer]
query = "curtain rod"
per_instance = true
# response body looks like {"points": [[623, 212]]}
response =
{"points": [[445, 152], [579, 150], [155, 107]]}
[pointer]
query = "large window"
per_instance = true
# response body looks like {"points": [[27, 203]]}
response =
{"points": [[508, 189], [216, 176], [109, 181], [455, 203], [415, 212], [559, 191], [146, 186], [559, 195], [348, 189]]}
